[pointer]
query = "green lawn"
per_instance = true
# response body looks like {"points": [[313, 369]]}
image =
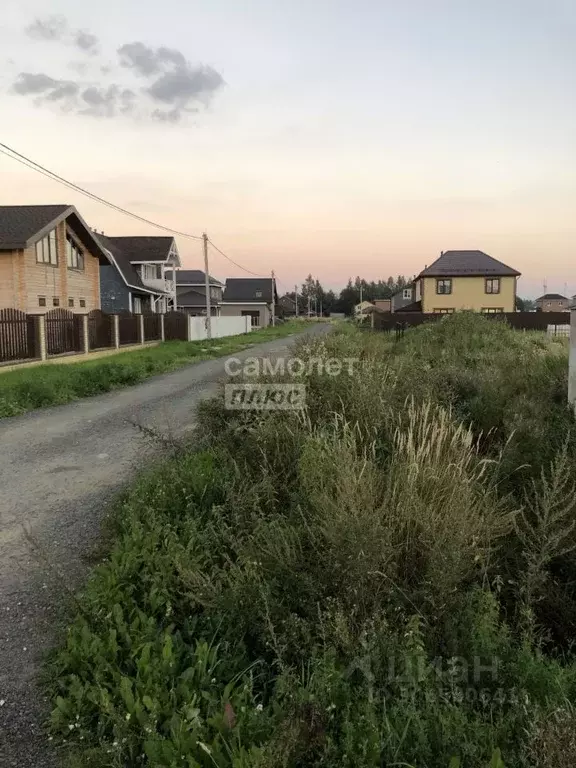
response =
{"points": [[39, 386]]}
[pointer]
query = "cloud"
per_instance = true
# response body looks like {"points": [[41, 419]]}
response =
{"points": [[51, 28], [86, 41], [169, 88], [177, 83], [57, 29]]}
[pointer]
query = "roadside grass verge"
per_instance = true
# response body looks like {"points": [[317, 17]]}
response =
{"points": [[386, 578], [39, 386]]}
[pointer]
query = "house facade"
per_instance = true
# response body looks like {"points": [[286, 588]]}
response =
{"points": [[140, 275], [49, 258], [191, 292], [403, 297], [250, 297], [461, 280], [553, 302]]}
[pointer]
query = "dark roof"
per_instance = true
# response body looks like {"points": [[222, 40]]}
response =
{"points": [[244, 289], [22, 225], [144, 248], [19, 223], [467, 263], [416, 306], [552, 297], [194, 277], [192, 298], [131, 277]]}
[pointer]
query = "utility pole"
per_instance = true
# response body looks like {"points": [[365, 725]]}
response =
{"points": [[296, 298], [273, 301], [207, 288], [308, 306], [360, 293]]}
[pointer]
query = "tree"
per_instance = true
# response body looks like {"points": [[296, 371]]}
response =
{"points": [[525, 305]]}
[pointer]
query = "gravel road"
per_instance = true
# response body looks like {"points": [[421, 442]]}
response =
{"points": [[60, 469]]}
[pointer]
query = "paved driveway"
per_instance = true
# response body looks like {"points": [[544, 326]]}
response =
{"points": [[59, 470]]}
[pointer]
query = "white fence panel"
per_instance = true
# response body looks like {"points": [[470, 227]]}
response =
{"points": [[221, 326]]}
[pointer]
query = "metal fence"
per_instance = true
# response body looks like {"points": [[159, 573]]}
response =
{"points": [[17, 336], [100, 330], [176, 326], [527, 321], [152, 331], [63, 332], [129, 328]]}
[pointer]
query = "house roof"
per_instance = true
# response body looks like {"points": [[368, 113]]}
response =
{"points": [[416, 306], [192, 298], [552, 297], [245, 289], [194, 277], [122, 261], [145, 247], [23, 225], [467, 263]]}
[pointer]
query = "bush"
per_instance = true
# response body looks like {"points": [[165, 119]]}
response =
{"points": [[373, 581]]}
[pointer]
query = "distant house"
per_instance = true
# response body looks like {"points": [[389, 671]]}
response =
{"points": [[553, 302], [403, 297], [191, 292], [287, 305], [140, 277], [362, 307], [49, 258], [250, 297], [465, 280], [385, 305]]}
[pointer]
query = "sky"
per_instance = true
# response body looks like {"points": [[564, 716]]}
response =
{"points": [[326, 137]]}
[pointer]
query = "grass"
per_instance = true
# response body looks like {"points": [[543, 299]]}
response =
{"points": [[387, 578], [26, 389]]}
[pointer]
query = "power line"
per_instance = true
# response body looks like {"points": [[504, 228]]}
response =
{"points": [[23, 160], [232, 260]]}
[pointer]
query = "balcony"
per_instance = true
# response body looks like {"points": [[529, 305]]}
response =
{"points": [[158, 284]]}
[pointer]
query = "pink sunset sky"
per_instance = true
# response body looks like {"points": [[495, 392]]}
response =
{"points": [[335, 138]]}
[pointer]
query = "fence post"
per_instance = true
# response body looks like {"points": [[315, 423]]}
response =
{"points": [[572, 359], [141, 328], [41, 336], [162, 333], [85, 335], [116, 331], [189, 328]]}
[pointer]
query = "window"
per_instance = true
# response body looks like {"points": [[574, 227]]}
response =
{"points": [[254, 315], [55, 301], [137, 305], [493, 310], [82, 302], [492, 285], [151, 272], [407, 293], [41, 301], [74, 255], [444, 286], [70, 302], [443, 311], [46, 251]]}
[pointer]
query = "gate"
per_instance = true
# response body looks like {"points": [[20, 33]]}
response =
{"points": [[63, 332], [176, 326]]}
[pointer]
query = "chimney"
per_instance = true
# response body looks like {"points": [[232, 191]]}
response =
{"points": [[441, 252]]}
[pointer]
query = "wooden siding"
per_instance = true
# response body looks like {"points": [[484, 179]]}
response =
{"points": [[23, 280]]}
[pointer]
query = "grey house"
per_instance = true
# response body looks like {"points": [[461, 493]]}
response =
{"points": [[191, 292], [250, 297], [140, 277], [403, 297]]}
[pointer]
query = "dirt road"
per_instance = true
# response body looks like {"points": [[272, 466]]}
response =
{"points": [[60, 468]]}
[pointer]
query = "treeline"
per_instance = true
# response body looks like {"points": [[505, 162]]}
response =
{"points": [[322, 301]]}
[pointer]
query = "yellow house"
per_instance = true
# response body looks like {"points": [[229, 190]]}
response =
{"points": [[466, 280]]}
